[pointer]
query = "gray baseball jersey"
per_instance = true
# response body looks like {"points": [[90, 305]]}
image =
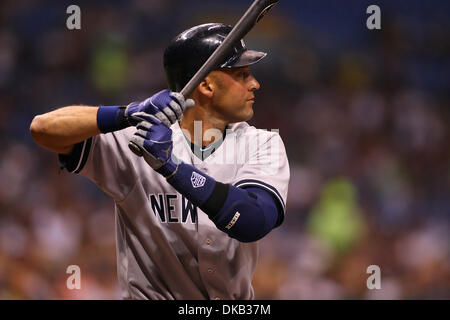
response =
{"points": [[166, 247]]}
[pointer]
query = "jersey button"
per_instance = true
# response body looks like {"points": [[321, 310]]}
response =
{"points": [[208, 241], [210, 270]]}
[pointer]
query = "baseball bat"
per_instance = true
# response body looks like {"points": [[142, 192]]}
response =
{"points": [[251, 17]]}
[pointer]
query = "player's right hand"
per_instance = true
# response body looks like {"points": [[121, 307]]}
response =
{"points": [[153, 141], [166, 106]]}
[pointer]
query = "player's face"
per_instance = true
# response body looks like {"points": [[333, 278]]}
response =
{"points": [[234, 96]]}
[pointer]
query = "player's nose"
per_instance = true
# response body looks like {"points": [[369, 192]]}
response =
{"points": [[254, 84]]}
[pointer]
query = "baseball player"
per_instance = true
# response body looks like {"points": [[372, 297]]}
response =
{"points": [[200, 187]]}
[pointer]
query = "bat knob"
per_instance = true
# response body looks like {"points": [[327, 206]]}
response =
{"points": [[135, 149]]}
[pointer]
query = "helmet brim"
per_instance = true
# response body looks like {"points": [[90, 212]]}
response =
{"points": [[247, 58]]}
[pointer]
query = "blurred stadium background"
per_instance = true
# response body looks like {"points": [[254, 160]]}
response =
{"points": [[364, 116]]}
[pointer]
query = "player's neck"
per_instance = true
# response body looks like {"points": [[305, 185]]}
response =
{"points": [[196, 119]]}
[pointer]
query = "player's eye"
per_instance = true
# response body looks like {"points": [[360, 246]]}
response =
{"points": [[243, 74]]}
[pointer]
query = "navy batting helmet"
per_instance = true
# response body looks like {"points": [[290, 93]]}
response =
{"points": [[188, 51]]}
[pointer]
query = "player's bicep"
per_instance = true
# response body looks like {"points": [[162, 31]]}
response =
{"points": [[268, 170], [269, 199]]}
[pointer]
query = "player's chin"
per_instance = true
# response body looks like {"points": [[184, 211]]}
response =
{"points": [[247, 111], [246, 114]]}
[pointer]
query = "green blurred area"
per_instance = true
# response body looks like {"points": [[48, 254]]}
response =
{"points": [[109, 64], [336, 218]]}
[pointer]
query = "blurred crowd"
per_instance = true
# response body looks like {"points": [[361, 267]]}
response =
{"points": [[363, 114]]}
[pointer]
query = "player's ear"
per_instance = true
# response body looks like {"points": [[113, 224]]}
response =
{"points": [[206, 87]]}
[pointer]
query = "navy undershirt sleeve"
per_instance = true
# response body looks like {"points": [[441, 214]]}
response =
{"points": [[247, 214]]}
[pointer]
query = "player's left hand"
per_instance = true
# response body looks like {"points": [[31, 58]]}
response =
{"points": [[153, 141], [166, 106]]}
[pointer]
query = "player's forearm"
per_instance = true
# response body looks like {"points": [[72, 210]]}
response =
{"points": [[61, 129], [246, 215]]}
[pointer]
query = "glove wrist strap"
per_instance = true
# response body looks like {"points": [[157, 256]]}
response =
{"points": [[169, 169], [111, 118], [173, 173]]}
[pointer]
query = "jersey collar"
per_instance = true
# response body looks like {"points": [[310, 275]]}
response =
{"points": [[203, 152]]}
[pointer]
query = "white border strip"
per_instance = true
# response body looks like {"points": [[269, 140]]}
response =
{"points": [[81, 157]]}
